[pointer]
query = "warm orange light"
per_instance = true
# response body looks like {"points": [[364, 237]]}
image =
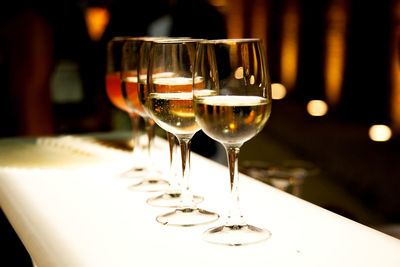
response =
{"points": [[258, 19], [395, 70], [317, 108], [278, 91], [335, 51], [235, 18], [290, 45], [97, 19], [232, 126], [380, 133], [219, 4]]}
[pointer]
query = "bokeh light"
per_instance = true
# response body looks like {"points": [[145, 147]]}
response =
{"points": [[317, 108], [380, 133], [278, 91], [239, 73], [97, 19]]}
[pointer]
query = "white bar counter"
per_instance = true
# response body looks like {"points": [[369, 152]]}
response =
{"points": [[78, 211]]}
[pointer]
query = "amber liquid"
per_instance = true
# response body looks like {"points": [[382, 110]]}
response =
{"points": [[131, 88], [114, 91], [171, 105]]}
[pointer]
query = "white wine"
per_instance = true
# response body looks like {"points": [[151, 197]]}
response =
{"points": [[232, 119], [174, 112], [171, 104]]}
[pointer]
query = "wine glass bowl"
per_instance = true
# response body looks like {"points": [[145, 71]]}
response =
{"points": [[233, 119], [232, 104], [113, 68]]}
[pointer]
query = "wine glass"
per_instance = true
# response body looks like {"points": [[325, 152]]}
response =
{"points": [[170, 103], [232, 105], [289, 175], [172, 197], [298, 170], [115, 95], [152, 180]]}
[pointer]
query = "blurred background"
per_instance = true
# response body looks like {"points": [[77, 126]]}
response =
{"points": [[334, 67]]}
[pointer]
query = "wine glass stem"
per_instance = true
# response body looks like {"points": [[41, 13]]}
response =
{"points": [[172, 159], [235, 216], [135, 122], [150, 138], [187, 196]]}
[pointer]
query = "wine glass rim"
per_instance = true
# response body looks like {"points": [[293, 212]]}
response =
{"points": [[137, 38], [147, 38], [227, 41], [178, 40], [161, 38], [120, 38], [117, 39]]}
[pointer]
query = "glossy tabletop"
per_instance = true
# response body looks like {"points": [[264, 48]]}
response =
{"points": [[74, 209]]}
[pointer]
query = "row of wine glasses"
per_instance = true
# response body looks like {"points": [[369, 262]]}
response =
{"points": [[153, 180], [119, 87], [134, 74], [184, 85]]}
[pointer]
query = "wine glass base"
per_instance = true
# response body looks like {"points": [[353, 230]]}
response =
{"points": [[187, 217], [170, 200], [133, 173], [236, 235], [150, 185]]}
